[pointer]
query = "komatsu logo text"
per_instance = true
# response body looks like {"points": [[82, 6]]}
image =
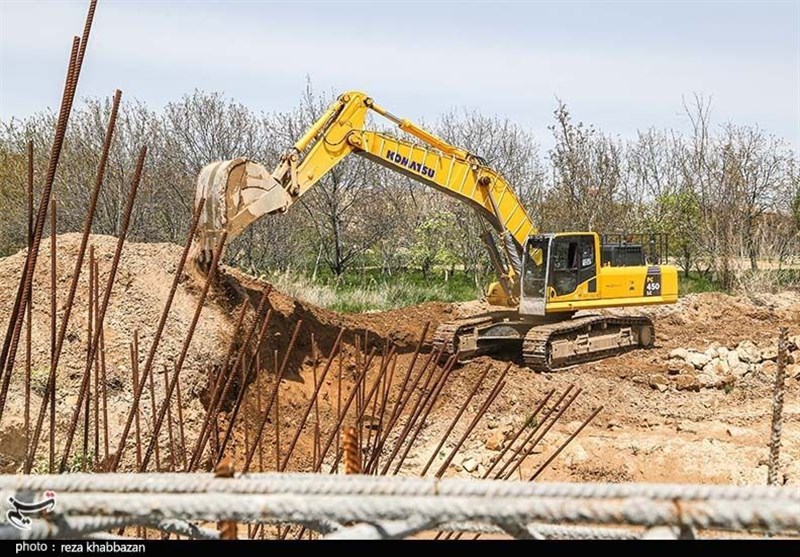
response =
{"points": [[411, 165]]}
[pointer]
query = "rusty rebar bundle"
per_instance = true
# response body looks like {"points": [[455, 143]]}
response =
{"points": [[126, 219], [352, 455], [777, 409], [73, 287], [11, 341]]}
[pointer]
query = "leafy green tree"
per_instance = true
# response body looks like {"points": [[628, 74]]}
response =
{"points": [[680, 219], [431, 244]]}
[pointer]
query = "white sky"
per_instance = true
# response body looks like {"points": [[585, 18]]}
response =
{"points": [[622, 66]]}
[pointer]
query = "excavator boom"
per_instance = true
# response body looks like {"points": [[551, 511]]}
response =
{"points": [[237, 192]]}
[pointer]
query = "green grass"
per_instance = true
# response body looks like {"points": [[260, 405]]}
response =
{"points": [[778, 278], [763, 280], [695, 284], [373, 291], [39, 378], [77, 462]]}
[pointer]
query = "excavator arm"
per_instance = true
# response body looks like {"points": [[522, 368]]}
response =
{"points": [[238, 192]]}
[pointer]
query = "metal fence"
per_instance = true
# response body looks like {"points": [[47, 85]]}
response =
{"points": [[341, 506]]}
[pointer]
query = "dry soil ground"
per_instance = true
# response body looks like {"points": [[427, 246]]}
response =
{"points": [[643, 433]]}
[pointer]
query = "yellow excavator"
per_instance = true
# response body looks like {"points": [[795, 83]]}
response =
{"points": [[543, 279]]}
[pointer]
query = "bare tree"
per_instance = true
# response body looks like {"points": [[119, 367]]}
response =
{"points": [[728, 196], [757, 166], [587, 176], [664, 203]]}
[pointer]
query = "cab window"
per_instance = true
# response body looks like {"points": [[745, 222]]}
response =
{"points": [[573, 263], [566, 262]]}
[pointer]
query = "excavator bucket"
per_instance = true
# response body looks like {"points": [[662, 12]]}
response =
{"points": [[236, 193]]}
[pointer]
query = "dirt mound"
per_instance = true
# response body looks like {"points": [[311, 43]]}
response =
{"points": [[140, 291]]}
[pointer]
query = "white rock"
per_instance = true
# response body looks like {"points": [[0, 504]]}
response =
{"points": [[793, 371], [769, 352], [715, 367], [469, 464], [709, 380], [733, 359], [698, 360], [723, 351], [711, 352], [677, 367], [748, 352], [680, 353], [740, 370]]}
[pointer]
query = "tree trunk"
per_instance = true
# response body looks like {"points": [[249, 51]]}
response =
{"points": [[752, 253], [687, 263], [425, 267]]}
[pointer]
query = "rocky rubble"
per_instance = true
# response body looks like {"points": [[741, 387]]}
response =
{"points": [[719, 367]]}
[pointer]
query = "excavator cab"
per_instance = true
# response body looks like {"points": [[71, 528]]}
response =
{"points": [[572, 271], [558, 267]]}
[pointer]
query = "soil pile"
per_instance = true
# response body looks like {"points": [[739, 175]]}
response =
{"points": [[140, 291]]}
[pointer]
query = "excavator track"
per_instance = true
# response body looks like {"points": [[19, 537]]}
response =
{"points": [[545, 346], [447, 336], [551, 346]]}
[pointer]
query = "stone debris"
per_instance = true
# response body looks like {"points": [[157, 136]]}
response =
{"points": [[495, 440], [769, 352], [659, 382], [720, 367], [469, 465], [687, 382], [679, 354], [748, 352], [698, 359]]}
